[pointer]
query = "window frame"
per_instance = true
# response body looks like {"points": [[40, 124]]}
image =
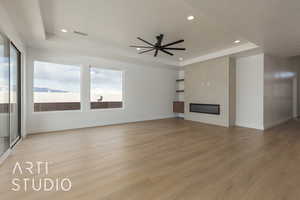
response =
{"points": [[123, 72], [80, 88]]}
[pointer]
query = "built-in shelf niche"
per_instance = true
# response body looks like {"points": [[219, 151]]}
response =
{"points": [[178, 104], [178, 107]]}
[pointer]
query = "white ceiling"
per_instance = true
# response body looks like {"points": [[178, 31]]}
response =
{"points": [[113, 25], [271, 24]]}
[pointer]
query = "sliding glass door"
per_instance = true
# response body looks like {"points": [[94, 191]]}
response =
{"points": [[4, 95], [15, 63], [10, 98]]}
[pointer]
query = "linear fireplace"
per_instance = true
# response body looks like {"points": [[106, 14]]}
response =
{"points": [[213, 109]]}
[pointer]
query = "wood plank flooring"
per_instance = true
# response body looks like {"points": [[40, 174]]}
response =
{"points": [[169, 159]]}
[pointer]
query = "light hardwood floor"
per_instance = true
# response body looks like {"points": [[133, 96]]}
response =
{"points": [[168, 159]]}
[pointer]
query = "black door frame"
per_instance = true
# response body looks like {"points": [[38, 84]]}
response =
{"points": [[19, 94]]}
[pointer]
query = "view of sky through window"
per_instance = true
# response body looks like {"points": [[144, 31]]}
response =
{"points": [[106, 85], [56, 82], [4, 75]]}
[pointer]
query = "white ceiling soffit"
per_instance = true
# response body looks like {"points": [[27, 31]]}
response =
{"points": [[224, 52], [66, 45], [26, 16]]}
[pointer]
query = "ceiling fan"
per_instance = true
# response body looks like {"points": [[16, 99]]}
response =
{"points": [[158, 46]]}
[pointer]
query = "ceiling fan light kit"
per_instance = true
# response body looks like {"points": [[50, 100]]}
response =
{"points": [[158, 46]]}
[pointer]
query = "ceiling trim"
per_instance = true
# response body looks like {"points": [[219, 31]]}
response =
{"points": [[27, 19], [42, 30], [221, 53]]}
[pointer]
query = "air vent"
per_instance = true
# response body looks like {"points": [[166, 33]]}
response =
{"points": [[80, 33]]}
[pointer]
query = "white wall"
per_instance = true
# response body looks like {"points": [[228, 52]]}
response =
{"points": [[295, 97], [278, 91], [295, 62], [10, 31], [298, 91], [149, 93], [249, 91], [232, 92], [297, 71]]}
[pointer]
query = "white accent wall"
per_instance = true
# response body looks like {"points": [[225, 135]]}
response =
{"points": [[148, 94], [209, 82], [249, 91]]}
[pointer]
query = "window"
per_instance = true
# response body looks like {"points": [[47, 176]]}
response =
{"points": [[4, 95], [106, 88], [56, 87]]}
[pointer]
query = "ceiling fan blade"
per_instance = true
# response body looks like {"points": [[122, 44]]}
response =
{"points": [[170, 44], [146, 41], [174, 48], [156, 52], [146, 51], [166, 52], [145, 47]]}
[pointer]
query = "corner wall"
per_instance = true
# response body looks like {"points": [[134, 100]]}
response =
{"points": [[250, 92], [278, 91]]}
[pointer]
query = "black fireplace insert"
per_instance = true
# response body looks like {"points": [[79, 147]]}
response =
{"points": [[213, 109]]}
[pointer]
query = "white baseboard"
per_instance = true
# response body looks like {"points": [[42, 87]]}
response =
{"points": [[246, 125], [180, 115], [4, 156], [48, 130], [276, 123], [8, 152]]}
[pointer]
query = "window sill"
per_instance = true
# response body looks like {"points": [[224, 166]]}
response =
{"points": [[56, 111], [106, 109]]}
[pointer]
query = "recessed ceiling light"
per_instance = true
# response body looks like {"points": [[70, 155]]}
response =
{"points": [[181, 59], [64, 30], [237, 41], [138, 49], [191, 17]]}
